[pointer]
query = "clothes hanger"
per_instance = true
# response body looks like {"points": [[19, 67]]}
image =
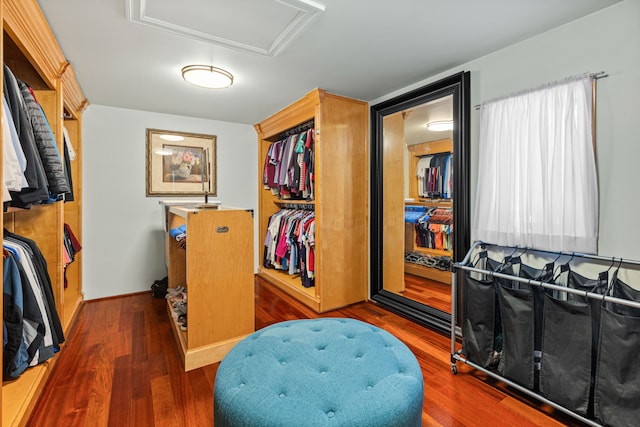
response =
{"points": [[550, 266], [562, 267], [604, 276]]}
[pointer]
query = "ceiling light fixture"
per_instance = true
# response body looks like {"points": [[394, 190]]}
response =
{"points": [[207, 76], [440, 126], [172, 138], [163, 151]]}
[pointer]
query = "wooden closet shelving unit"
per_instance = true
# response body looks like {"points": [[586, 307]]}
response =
{"points": [[216, 267], [31, 51], [340, 199], [415, 152]]}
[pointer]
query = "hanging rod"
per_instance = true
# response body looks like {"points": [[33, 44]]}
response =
{"points": [[596, 76], [302, 127], [604, 259], [301, 204]]}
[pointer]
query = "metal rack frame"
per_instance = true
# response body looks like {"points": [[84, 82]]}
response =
{"points": [[456, 355]]}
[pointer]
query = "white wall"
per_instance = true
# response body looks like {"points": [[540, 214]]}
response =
{"points": [[609, 41], [123, 239]]}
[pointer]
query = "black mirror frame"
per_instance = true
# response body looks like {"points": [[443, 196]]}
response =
{"points": [[456, 85]]}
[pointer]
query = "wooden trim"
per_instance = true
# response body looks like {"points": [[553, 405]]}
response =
{"points": [[25, 23], [292, 286], [20, 397], [74, 100], [431, 147], [428, 272], [114, 297], [297, 113]]}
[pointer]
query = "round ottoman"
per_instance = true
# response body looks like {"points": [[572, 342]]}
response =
{"points": [[319, 372]]}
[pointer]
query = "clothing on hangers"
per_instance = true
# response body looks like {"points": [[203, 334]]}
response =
{"points": [[289, 166], [290, 244], [33, 328]]}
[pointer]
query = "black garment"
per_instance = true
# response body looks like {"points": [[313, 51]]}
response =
{"points": [[46, 145], [37, 190], [68, 196], [40, 264], [32, 327], [11, 319]]}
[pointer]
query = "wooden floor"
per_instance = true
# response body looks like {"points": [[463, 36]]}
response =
{"points": [[120, 368], [429, 292]]}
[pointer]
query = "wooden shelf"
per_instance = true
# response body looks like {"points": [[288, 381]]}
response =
{"points": [[434, 252], [216, 268], [415, 152], [291, 285], [340, 197], [31, 51], [19, 396], [428, 272], [445, 203]]}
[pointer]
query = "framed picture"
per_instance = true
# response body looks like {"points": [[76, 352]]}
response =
{"points": [[180, 163]]}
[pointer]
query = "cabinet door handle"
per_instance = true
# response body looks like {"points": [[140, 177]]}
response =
{"points": [[222, 229]]}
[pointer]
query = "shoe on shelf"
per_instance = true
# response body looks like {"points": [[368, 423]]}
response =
{"points": [[178, 309], [177, 298], [182, 321], [174, 291]]}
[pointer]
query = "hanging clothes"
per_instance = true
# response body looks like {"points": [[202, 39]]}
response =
{"points": [[434, 229], [71, 248], [37, 190], [289, 166], [289, 244], [434, 175], [49, 154], [27, 292]]}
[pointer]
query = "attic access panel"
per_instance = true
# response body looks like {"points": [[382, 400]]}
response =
{"points": [[236, 24]]}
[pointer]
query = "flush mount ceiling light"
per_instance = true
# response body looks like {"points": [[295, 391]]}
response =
{"points": [[207, 76], [440, 126]]}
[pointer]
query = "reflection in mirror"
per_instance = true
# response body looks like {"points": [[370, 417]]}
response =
{"points": [[419, 197], [418, 178]]}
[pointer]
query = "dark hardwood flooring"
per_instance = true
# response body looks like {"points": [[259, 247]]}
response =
{"points": [[120, 367], [429, 292]]}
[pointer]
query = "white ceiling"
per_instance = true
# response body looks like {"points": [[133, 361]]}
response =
{"points": [[128, 53]]}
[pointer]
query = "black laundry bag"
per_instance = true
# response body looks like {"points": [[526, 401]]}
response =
{"points": [[517, 316], [565, 372], [478, 320], [617, 383], [597, 286], [159, 287]]}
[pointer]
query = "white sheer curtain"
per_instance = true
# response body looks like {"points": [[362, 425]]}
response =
{"points": [[537, 184]]}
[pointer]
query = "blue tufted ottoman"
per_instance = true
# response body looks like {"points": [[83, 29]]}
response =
{"points": [[319, 372]]}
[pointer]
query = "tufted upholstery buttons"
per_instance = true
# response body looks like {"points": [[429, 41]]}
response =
{"points": [[317, 372]]}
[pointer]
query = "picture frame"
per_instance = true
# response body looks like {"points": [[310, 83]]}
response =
{"points": [[180, 163]]}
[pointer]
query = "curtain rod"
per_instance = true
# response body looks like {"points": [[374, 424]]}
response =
{"points": [[595, 76]]}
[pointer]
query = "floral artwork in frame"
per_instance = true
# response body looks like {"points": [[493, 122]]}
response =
{"points": [[180, 163]]}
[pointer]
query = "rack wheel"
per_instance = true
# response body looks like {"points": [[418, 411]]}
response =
{"points": [[454, 369]]}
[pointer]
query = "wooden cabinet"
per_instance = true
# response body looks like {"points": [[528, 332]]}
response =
{"points": [[216, 267], [340, 198], [415, 153], [31, 51]]}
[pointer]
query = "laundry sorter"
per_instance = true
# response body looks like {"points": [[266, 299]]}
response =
{"points": [[563, 328]]}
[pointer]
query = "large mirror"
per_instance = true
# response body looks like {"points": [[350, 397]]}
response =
{"points": [[420, 198]]}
